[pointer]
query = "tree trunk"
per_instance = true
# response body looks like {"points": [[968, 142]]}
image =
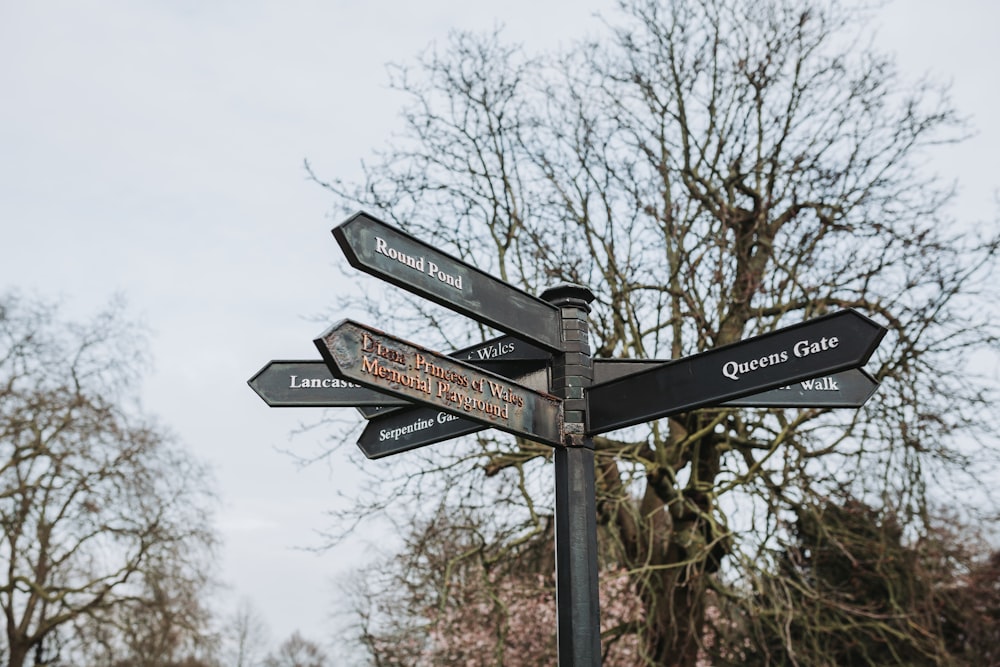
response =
{"points": [[673, 602], [18, 652], [671, 546]]}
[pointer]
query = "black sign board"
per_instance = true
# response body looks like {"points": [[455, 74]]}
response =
{"points": [[815, 348], [374, 359], [297, 384], [847, 389], [396, 257], [502, 349], [403, 430]]}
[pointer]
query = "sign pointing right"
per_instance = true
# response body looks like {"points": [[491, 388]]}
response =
{"points": [[847, 389], [822, 346]]}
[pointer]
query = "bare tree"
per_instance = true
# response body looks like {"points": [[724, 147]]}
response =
{"points": [[715, 169], [103, 516], [849, 587], [247, 635], [297, 651], [447, 599], [167, 624]]}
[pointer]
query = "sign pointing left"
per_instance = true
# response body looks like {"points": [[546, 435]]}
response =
{"points": [[306, 384], [393, 255], [382, 362]]}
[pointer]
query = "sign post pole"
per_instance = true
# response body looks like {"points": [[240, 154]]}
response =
{"points": [[443, 396], [577, 597]]}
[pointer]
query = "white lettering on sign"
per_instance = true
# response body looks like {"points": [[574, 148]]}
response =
{"points": [[446, 278], [819, 384], [382, 248], [295, 382], [822, 384], [492, 351], [417, 264], [804, 348], [417, 425], [734, 370], [395, 433]]}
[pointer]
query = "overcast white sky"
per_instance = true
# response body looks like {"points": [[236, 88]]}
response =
{"points": [[155, 149]]}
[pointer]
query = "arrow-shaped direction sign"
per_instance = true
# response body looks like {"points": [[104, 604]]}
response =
{"points": [[389, 253], [847, 389], [298, 384], [811, 349], [385, 363], [403, 430]]}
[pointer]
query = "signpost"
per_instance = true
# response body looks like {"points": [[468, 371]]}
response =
{"points": [[818, 347], [540, 382], [376, 360]]}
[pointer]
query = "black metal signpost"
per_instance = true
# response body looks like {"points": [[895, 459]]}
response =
{"points": [[540, 382]]}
